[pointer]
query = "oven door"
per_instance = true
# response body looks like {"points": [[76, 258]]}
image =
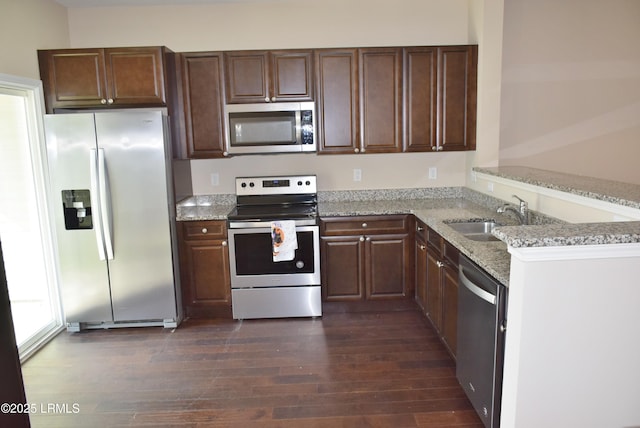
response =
{"points": [[252, 264]]}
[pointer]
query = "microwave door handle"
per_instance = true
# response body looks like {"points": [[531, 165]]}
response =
{"points": [[299, 127]]}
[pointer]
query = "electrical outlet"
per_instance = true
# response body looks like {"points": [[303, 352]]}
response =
{"points": [[215, 179], [490, 187], [433, 173], [357, 174]]}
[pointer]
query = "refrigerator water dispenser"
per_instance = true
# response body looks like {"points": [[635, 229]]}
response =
{"points": [[77, 209]]}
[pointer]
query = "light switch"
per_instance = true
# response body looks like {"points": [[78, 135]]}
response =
{"points": [[357, 174], [433, 173]]}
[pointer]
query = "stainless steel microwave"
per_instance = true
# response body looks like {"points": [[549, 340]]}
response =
{"points": [[270, 128]]}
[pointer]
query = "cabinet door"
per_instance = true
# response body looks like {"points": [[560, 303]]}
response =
{"points": [[73, 77], [420, 90], [342, 270], [434, 296], [207, 265], [337, 96], [386, 263], [421, 272], [135, 76], [380, 100], [246, 76], [204, 269], [292, 76], [450, 307], [203, 96], [457, 97]]}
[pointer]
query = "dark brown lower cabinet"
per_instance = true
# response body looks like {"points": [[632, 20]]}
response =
{"points": [[437, 283], [204, 269], [366, 258]]}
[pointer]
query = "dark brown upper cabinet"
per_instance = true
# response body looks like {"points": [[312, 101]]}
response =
{"points": [[380, 100], [337, 100], [110, 77], [269, 76], [440, 92], [202, 96]]}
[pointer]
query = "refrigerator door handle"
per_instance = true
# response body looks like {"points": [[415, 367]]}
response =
{"points": [[95, 198], [105, 204]]}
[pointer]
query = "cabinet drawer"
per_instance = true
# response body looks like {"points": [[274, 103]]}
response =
{"points": [[364, 225], [212, 229], [434, 240], [450, 253]]}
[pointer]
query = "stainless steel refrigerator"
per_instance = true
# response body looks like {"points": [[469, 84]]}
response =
{"points": [[114, 214]]}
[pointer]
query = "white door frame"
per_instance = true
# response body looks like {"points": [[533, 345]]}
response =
{"points": [[32, 92]]}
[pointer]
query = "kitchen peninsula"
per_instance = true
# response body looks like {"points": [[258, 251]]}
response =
{"points": [[573, 289]]}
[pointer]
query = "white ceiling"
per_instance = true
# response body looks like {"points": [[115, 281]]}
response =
{"points": [[107, 3]]}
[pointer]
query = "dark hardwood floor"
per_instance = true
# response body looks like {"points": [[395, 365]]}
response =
{"points": [[385, 369]]}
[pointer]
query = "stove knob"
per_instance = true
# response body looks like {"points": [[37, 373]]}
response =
{"points": [[308, 183], [243, 185], [299, 183], [251, 184]]}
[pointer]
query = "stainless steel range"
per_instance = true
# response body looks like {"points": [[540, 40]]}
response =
{"points": [[274, 248]]}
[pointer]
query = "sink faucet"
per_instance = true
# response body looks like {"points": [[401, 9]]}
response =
{"points": [[522, 212]]}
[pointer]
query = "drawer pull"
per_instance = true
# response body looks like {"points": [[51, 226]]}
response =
{"points": [[364, 225], [204, 230], [224, 243]]}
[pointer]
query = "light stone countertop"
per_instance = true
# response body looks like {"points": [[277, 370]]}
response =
{"points": [[437, 206], [624, 194], [616, 192], [433, 209]]}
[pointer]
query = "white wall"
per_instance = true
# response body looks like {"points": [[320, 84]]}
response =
{"points": [[571, 351], [308, 24], [571, 87], [28, 25]]}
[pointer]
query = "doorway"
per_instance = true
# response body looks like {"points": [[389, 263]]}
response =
{"points": [[25, 228]]}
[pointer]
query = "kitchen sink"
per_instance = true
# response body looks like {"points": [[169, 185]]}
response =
{"points": [[479, 230]]}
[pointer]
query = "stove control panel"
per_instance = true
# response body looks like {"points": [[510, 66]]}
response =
{"points": [[276, 185]]}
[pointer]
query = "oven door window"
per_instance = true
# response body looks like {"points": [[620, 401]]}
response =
{"points": [[254, 256], [257, 129]]}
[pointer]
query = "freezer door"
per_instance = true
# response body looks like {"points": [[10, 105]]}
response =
{"points": [[137, 214], [84, 277]]}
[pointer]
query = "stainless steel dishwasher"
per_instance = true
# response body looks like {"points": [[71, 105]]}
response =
{"points": [[481, 331]]}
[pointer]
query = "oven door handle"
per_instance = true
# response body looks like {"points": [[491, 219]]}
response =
{"points": [[475, 289]]}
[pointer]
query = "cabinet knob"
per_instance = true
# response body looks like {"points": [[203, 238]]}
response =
{"points": [[440, 148], [419, 228], [368, 238], [103, 101], [362, 150], [204, 230], [224, 243], [357, 150], [364, 225], [225, 154], [422, 247], [267, 99], [273, 99], [110, 101], [362, 239], [440, 264], [434, 148]]}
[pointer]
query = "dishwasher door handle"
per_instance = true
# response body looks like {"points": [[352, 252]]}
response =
{"points": [[480, 292]]}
